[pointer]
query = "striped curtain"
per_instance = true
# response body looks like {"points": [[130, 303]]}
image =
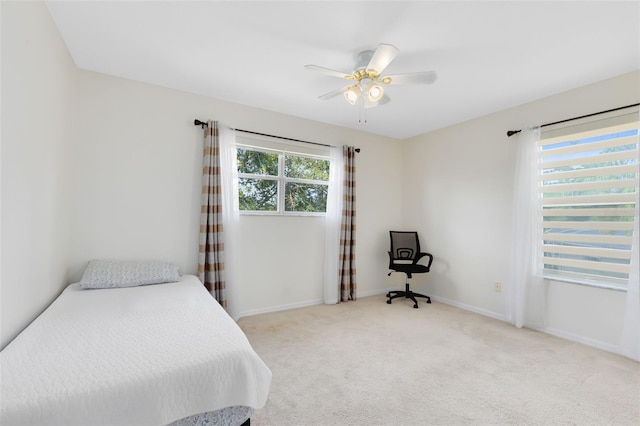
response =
{"points": [[211, 254], [347, 266]]}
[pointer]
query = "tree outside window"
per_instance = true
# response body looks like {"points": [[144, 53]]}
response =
{"points": [[281, 182]]}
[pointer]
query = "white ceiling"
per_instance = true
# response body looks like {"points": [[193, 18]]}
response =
{"points": [[489, 56]]}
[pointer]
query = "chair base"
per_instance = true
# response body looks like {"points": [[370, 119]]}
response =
{"points": [[406, 294]]}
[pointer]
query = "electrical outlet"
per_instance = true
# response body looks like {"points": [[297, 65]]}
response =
{"points": [[497, 287]]}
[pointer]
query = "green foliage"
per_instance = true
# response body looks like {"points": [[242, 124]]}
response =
{"points": [[261, 194], [302, 197], [257, 162], [257, 194], [306, 168]]}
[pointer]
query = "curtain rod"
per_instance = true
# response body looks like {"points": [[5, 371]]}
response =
{"points": [[513, 132], [203, 124]]}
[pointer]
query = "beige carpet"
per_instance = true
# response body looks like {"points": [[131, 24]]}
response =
{"points": [[370, 363]]}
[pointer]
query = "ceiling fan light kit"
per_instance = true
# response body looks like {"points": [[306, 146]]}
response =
{"points": [[367, 76], [353, 94], [374, 92]]}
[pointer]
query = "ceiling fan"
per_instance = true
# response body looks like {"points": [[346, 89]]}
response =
{"points": [[367, 81]]}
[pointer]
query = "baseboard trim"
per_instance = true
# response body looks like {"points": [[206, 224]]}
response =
{"points": [[608, 347], [280, 308], [302, 304], [548, 330], [470, 308], [373, 292]]}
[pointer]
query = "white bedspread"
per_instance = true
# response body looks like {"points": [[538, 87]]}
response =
{"points": [[145, 355]]}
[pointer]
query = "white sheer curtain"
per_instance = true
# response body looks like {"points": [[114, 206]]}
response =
{"points": [[527, 289], [630, 339], [230, 213], [332, 229]]}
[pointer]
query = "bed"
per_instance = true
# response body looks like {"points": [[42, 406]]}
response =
{"points": [[142, 355]]}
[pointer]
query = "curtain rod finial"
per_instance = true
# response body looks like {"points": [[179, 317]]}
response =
{"points": [[197, 122], [512, 132]]}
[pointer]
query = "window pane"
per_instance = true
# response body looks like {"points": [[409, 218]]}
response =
{"points": [[302, 197], [306, 168], [258, 194], [257, 162]]}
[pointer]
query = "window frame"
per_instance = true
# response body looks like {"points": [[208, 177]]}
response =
{"points": [[599, 124], [281, 179]]}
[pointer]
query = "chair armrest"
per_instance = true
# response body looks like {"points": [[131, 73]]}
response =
{"points": [[420, 256]]}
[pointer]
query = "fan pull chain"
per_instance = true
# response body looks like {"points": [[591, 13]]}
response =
{"points": [[362, 112]]}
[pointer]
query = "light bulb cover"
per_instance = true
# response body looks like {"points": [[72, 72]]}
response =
{"points": [[352, 94], [374, 92]]}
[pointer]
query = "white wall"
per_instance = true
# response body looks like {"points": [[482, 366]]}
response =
{"points": [[137, 192], [461, 202], [98, 166], [37, 110]]}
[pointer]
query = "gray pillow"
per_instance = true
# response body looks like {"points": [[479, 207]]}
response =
{"points": [[103, 273]]}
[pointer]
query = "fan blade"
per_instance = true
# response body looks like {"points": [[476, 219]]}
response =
{"points": [[382, 57], [329, 71], [424, 77], [334, 93]]}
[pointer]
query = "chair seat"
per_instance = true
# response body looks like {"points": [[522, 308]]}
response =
{"points": [[409, 268]]}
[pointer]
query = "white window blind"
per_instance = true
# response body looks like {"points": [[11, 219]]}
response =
{"points": [[588, 186]]}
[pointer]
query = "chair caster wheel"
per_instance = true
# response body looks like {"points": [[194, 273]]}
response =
{"points": [[388, 302], [415, 306], [429, 301]]}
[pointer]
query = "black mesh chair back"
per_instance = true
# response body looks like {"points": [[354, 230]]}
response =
{"points": [[404, 256], [404, 245]]}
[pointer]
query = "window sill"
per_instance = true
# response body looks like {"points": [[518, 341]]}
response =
{"points": [[277, 214], [586, 283]]}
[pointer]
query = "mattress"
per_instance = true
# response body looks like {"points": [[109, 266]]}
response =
{"points": [[147, 355]]}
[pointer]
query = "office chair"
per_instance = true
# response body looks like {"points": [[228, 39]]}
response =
{"points": [[403, 257]]}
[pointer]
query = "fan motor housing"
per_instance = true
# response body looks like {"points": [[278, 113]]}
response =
{"points": [[363, 60]]}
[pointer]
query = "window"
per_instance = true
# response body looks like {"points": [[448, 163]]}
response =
{"points": [[281, 182], [588, 184]]}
